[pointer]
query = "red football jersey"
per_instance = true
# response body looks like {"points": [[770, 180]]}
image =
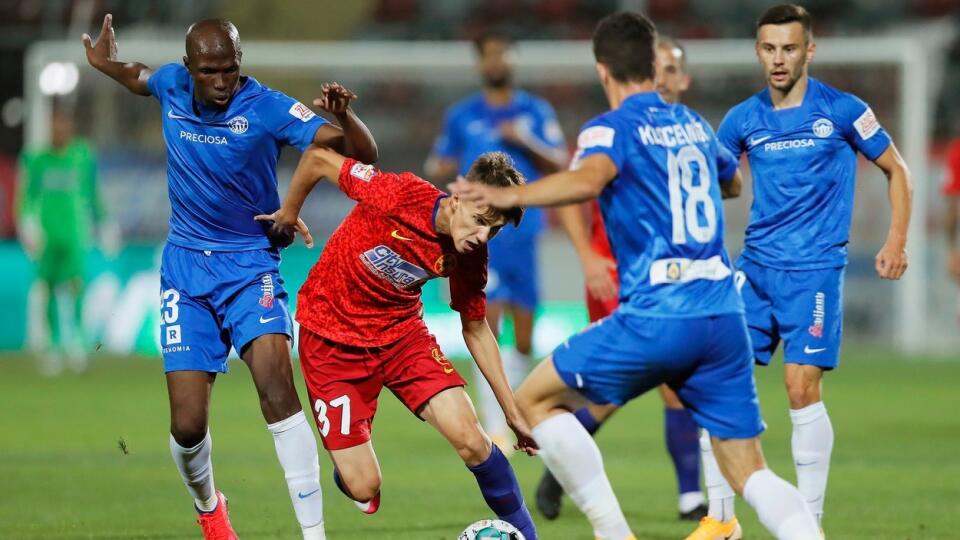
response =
{"points": [[365, 289], [952, 185], [598, 233]]}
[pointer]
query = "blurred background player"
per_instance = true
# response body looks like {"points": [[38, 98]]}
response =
{"points": [[59, 203], [503, 118], [362, 324], [802, 137], [219, 276], [600, 273], [951, 190], [655, 168]]}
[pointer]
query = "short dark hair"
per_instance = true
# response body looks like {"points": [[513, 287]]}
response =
{"points": [[669, 42], [490, 35], [497, 169], [785, 14], [624, 42]]}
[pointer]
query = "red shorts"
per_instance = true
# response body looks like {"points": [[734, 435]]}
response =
{"points": [[598, 309], [344, 382]]}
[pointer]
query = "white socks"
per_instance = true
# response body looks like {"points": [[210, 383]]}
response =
{"points": [[197, 471], [516, 366], [297, 453], [574, 459], [719, 492], [780, 507], [812, 445]]}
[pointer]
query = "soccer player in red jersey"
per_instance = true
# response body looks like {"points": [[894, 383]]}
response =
{"points": [[361, 323]]}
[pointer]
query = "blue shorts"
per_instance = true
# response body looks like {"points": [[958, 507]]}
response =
{"points": [[512, 276], [210, 301], [804, 308], [706, 360]]}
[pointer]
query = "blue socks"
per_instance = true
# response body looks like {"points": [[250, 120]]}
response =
{"points": [[500, 489], [684, 447], [587, 420]]}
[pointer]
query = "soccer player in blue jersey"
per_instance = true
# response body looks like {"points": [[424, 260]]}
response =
{"points": [[599, 269], [220, 280], [802, 137], [653, 166], [503, 118]]}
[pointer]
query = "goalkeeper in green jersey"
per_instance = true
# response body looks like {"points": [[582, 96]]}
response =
{"points": [[58, 205]]}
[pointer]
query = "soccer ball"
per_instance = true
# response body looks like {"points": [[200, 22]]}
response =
{"points": [[491, 529]]}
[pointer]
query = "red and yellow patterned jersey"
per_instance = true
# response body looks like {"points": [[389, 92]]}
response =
{"points": [[952, 185], [365, 289], [598, 233]]}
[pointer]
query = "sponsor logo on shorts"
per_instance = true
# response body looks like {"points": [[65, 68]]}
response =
{"points": [[445, 264], [238, 125], [385, 263], [442, 360], [172, 334], [362, 171], [266, 291], [823, 128], [819, 311]]}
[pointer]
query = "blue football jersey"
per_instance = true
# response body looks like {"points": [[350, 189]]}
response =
{"points": [[804, 166], [663, 212], [471, 128], [222, 165]]}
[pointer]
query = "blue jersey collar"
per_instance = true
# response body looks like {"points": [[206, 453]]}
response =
{"points": [[642, 99]]}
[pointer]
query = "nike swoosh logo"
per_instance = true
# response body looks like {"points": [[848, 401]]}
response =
{"points": [[175, 116], [754, 142], [808, 350], [396, 234], [809, 463], [265, 321], [305, 495]]}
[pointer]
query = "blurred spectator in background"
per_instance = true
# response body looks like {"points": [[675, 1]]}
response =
{"points": [[58, 204], [951, 189]]}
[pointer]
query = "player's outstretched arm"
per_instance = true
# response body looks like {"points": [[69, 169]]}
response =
{"points": [[315, 164], [102, 55], [486, 353], [596, 267], [891, 261], [565, 187], [351, 138]]}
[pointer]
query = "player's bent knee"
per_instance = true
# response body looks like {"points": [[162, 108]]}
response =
{"points": [[363, 486], [472, 445], [802, 393], [188, 433]]}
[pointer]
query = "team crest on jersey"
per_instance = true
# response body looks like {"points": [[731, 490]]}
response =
{"points": [[238, 125], [442, 360], [266, 291], [362, 171], [673, 271], [819, 311], [823, 128], [301, 111], [385, 263], [445, 264]]}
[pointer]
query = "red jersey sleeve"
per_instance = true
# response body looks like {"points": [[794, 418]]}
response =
{"points": [[364, 183], [467, 284], [952, 185]]}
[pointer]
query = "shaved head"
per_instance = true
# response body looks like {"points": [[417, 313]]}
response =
{"points": [[213, 59], [212, 37]]}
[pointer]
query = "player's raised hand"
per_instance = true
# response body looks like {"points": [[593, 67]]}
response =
{"points": [[484, 195], [334, 98], [104, 49], [597, 272], [283, 228], [891, 262], [525, 442]]}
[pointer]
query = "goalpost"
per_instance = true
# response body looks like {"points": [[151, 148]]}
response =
{"points": [[435, 64]]}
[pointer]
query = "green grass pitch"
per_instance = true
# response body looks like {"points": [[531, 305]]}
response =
{"points": [[895, 471]]}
